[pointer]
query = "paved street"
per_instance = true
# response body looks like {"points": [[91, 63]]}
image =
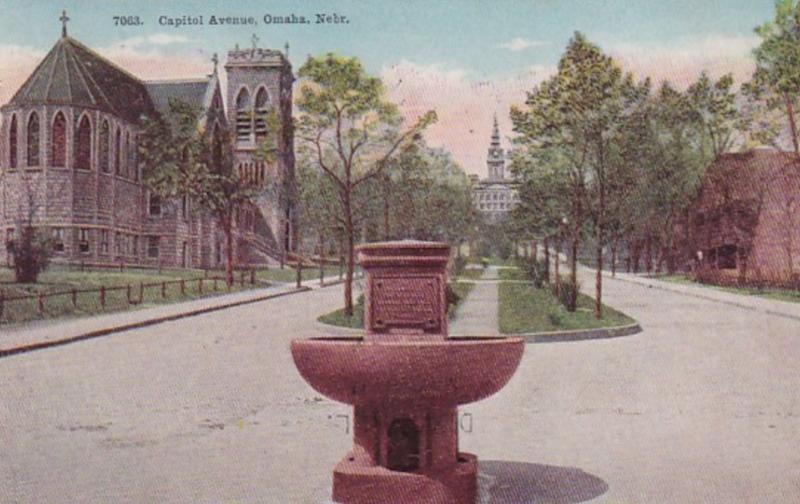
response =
{"points": [[703, 406]]}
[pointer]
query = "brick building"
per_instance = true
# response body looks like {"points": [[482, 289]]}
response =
{"points": [[746, 219], [68, 160]]}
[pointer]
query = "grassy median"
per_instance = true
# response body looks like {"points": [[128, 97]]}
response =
{"points": [[526, 309], [790, 295]]}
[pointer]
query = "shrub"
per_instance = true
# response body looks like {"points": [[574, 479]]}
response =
{"points": [[534, 270], [31, 254], [457, 265], [562, 289], [485, 262], [452, 297]]}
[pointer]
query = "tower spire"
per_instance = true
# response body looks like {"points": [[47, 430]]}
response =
{"points": [[63, 20], [495, 133]]}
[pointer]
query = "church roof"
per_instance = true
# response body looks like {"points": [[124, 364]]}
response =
{"points": [[72, 74], [194, 92]]}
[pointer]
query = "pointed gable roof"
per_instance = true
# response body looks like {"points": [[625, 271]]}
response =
{"points": [[72, 74]]}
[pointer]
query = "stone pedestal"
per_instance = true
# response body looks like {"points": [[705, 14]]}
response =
{"points": [[405, 379]]}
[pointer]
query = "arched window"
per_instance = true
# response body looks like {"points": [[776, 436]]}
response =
{"points": [[12, 143], [117, 152], [262, 103], [243, 115], [105, 145], [126, 160], [33, 140], [83, 145], [216, 149], [58, 152]]}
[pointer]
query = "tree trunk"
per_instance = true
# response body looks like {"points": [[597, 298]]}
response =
{"points": [[556, 268], [546, 258], [792, 124], [614, 244], [573, 300], [321, 259], [227, 228], [598, 279], [348, 281]]}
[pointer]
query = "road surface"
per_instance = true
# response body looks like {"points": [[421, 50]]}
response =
{"points": [[702, 406]]}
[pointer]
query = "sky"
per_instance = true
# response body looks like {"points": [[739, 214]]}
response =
{"points": [[466, 59]]}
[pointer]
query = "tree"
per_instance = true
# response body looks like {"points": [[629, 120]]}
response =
{"points": [[179, 159], [354, 131], [778, 62]]}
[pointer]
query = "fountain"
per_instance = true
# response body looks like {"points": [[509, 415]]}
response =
{"points": [[405, 379]]}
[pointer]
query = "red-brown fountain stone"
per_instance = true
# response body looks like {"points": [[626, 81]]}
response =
{"points": [[405, 379]]}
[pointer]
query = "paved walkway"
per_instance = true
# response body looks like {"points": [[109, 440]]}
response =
{"points": [[477, 314]]}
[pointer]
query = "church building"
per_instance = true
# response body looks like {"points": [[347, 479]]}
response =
{"points": [[69, 161], [495, 195]]}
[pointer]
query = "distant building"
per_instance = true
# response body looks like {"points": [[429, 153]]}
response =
{"points": [[746, 219], [69, 160], [495, 195]]}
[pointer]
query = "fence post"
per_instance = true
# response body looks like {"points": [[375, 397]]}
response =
{"points": [[163, 290], [128, 293], [2, 303], [141, 292], [341, 267], [103, 296], [40, 303], [252, 276], [215, 284], [299, 274], [241, 278], [200, 285], [74, 297], [183, 287]]}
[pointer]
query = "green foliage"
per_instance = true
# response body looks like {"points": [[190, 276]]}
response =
{"points": [[534, 270], [562, 290], [31, 251]]}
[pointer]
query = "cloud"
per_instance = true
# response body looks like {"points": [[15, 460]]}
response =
{"points": [[465, 105], [520, 44], [680, 62]]}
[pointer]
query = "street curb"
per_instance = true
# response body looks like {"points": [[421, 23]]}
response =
{"points": [[7, 352], [540, 337], [579, 334]]}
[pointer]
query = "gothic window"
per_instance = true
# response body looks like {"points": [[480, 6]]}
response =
{"points": [[12, 143], [104, 237], [58, 153], [58, 239], [243, 115], [127, 153], [154, 206], [33, 140], [133, 155], [83, 145], [216, 150], [262, 100], [118, 152], [152, 246], [83, 240], [105, 146]]}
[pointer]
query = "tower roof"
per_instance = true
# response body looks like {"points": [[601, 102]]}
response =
{"points": [[72, 74], [495, 133]]}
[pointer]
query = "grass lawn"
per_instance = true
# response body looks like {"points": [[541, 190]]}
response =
{"points": [[338, 318], [288, 275], [471, 274], [525, 309], [511, 274], [790, 295], [65, 279]]}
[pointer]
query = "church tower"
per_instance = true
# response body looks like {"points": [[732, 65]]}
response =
{"points": [[260, 87], [495, 159]]}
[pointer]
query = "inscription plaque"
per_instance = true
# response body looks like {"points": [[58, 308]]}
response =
{"points": [[406, 302]]}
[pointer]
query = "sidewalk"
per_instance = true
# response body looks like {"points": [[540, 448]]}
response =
{"points": [[477, 315], [46, 333], [769, 306]]}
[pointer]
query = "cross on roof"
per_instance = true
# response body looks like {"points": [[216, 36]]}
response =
{"points": [[215, 60], [254, 39], [63, 20]]}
